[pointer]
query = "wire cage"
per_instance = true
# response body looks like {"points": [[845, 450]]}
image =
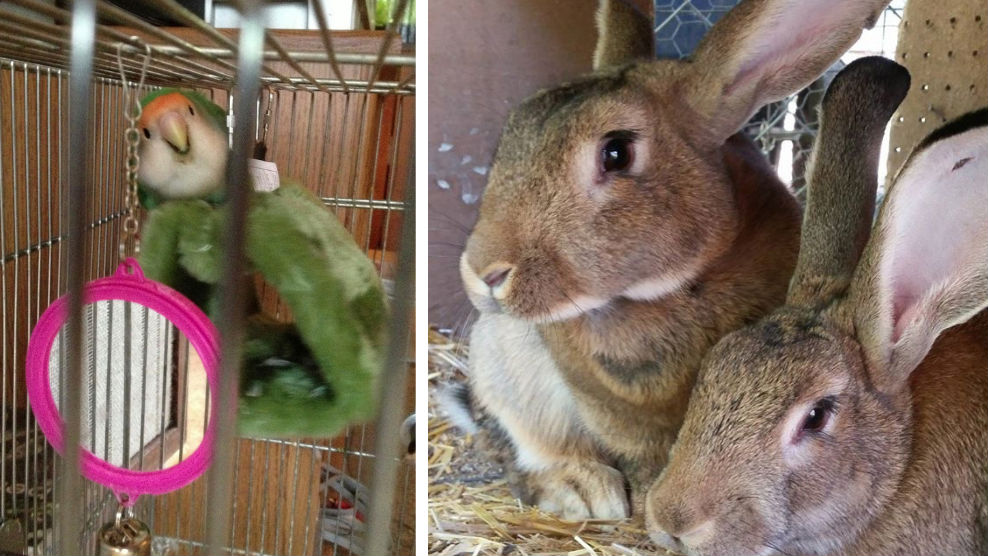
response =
{"points": [[784, 130], [336, 113]]}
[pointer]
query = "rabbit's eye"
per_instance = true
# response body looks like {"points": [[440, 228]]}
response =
{"points": [[618, 151], [147, 133], [818, 417]]}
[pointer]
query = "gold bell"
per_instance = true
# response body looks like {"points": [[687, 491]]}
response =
{"points": [[125, 536]]}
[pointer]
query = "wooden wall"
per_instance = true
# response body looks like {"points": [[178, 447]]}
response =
{"points": [[485, 57]]}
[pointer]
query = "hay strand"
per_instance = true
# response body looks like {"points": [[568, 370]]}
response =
{"points": [[471, 509]]}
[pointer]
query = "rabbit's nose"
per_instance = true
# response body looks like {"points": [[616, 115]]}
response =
{"points": [[671, 522], [670, 531], [667, 541], [496, 277], [696, 535]]}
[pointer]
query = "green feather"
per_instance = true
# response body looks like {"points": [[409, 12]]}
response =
{"points": [[323, 276], [310, 378], [150, 199], [161, 255]]}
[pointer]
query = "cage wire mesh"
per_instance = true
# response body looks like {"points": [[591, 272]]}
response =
{"points": [[784, 130], [336, 112]]}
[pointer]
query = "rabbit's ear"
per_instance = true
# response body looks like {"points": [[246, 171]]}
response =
{"points": [[624, 34], [843, 177], [764, 50], [926, 267]]}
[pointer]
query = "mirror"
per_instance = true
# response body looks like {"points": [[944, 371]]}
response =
{"points": [[148, 383], [144, 391]]}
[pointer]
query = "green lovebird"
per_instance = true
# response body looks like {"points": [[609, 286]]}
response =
{"points": [[307, 378]]}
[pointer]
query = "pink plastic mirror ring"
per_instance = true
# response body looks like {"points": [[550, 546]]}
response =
{"points": [[127, 284]]}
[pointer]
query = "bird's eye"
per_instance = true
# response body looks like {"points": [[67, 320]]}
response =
{"points": [[147, 133], [618, 152], [818, 416], [191, 111]]}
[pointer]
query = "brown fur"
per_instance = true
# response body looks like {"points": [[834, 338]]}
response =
{"points": [[623, 281], [901, 467], [845, 212], [632, 366], [949, 420], [625, 34]]}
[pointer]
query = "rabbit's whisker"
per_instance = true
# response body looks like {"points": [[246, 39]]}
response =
{"points": [[446, 244], [466, 322], [456, 223], [571, 300], [771, 545]]}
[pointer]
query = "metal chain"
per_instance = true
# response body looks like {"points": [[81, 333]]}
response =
{"points": [[130, 244]]}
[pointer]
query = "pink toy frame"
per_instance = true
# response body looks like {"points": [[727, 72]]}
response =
{"points": [[127, 284]]}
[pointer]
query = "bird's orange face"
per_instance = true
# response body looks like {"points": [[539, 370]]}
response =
{"points": [[165, 115], [183, 152]]}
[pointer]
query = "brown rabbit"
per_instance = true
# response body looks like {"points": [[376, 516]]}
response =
{"points": [[623, 231], [853, 420]]}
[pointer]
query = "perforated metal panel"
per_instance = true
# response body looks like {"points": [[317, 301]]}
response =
{"points": [[944, 45]]}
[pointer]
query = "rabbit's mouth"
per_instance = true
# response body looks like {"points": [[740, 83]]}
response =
{"points": [[479, 293], [571, 308], [497, 292]]}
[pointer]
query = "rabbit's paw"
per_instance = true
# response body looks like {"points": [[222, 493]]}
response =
{"points": [[580, 490]]}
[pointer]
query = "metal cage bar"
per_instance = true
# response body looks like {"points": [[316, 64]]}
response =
{"points": [[179, 60], [234, 286], [81, 67]]}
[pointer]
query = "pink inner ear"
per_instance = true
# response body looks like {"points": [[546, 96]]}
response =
{"points": [[938, 223], [777, 48], [904, 310], [769, 65]]}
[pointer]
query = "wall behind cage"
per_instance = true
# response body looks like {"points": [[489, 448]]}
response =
{"points": [[34, 121], [485, 57], [33, 172]]}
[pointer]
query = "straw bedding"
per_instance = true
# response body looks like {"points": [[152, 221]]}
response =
{"points": [[471, 510]]}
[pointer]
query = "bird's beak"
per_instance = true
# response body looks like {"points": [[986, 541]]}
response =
{"points": [[174, 130]]}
